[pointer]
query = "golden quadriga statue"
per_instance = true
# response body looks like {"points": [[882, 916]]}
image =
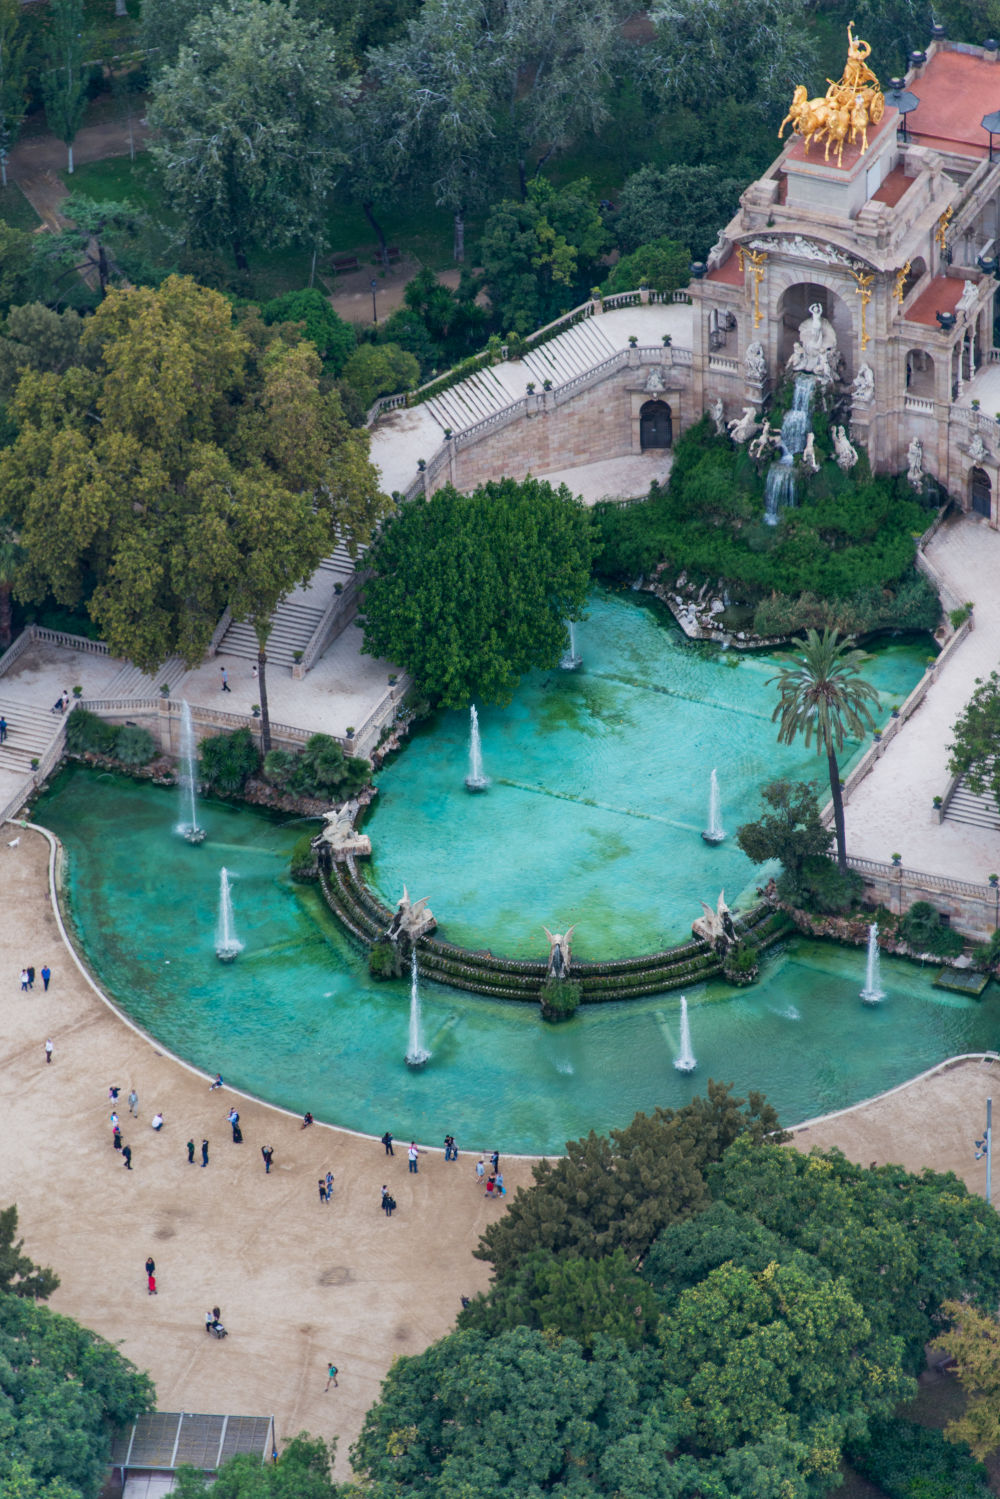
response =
{"points": [[846, 110]]}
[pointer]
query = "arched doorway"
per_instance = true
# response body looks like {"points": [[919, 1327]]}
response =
{"points": [[656, 425], [981, 492], [919, 374]]}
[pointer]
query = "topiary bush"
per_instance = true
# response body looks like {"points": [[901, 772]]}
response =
{"points": [[908, 1461], [560, 999], [303, 860], [87, 734], [228, 760], [133, 745]]}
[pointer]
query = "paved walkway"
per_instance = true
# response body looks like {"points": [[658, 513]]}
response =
{"points": [[891, 811], [298, 1283], [615, 478]]}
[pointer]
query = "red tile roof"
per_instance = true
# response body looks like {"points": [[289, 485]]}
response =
{"points": [[955, 92], [893, 188], [729, 272], [851, 155], [941, 296]]}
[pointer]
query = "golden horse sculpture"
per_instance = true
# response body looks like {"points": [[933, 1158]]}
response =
{"points": [[844, 113]]}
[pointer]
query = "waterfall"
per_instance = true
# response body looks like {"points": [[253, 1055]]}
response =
{"points": [[570, 660], [685, 1062], [779, 487], [416, 1055], [714, 833], [227, 944], [187, 780], [475, 780], [872, 993]]}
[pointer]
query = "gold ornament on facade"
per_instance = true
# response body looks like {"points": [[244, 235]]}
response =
{"points": [[863, 289], [757, 259], [899, 288], [941, 232], [845, 112]]}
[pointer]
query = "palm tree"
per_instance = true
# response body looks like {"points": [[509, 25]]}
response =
{"points": [[823, 695]]}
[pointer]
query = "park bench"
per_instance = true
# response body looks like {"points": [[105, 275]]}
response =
{"points": [[344, 263]]}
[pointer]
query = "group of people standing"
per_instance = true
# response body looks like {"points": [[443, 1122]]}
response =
{"points": [[28, 978]]}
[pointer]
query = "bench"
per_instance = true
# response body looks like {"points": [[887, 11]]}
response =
{"points": [[344, 263], [392, 253]]}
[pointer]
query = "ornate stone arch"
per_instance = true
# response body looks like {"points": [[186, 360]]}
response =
{"points": [[792, 293]]}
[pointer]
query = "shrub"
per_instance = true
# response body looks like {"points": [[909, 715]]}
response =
{"points": [[908, 1461], [303, 860], [322, 769], [228, 760], [382, 370], [279, 765], [820, 887], [88, 734], [923, 930], [740, 961], [383, 960], [560, 999], [663, 265], [133, 745]]}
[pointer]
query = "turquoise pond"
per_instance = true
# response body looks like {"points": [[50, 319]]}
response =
{"points": [[296, 1019], [599, 794]]}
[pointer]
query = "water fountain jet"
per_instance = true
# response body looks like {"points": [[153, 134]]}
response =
{"points": [[475, 780], [872, 993], [188, 781], [686, 1061], [569, 660], [416, 1054], [714, 833], [227, 944]]}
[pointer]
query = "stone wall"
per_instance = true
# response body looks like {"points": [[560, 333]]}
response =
{"points": [[601, 422]]}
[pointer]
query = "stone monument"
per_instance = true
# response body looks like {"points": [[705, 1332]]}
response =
{"points": [[560, 952]]}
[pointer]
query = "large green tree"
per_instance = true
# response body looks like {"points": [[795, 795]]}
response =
{"points": [[539, 254], [64, 85], [301, 1472], [791, 831], [707, 52], [469, 592], [250, 127], [823, 696], [188, 466], [13, 78]]}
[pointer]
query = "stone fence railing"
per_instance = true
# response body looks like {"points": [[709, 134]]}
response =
{"points": [[338, 613], [972, 909]]}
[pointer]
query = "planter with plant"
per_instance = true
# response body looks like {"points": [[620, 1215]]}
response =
{"points": [[297, 656], [633, 342], [530, 387], [938, 801], [78, 691], [546, 384], [897, 860], [255, 710]]}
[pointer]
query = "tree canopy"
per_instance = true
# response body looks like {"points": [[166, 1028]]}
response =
{"points": [[469, 592], [191, 462], [250, 125], [539, 254], [977, 739]]}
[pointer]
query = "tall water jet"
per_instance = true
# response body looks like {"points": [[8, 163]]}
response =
{"points": [[714, 833], [475, 780], [569, 660], [779, 487], [872, 993], [188, 780], [227, 945], [686, 1061], [416, 1054]]}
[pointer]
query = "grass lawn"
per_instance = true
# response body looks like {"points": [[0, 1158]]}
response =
{"points": [[15, 209]]}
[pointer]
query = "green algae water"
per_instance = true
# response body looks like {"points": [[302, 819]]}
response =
{"points": [[296, 1019], [599, 790]]}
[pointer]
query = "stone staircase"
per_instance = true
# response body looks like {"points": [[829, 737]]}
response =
{"points": [[131, 681], [975, 811], [484, 394], [30, 731], [292, 627]]}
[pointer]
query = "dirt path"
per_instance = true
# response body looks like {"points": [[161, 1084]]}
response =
{"points": [[35, 162]]}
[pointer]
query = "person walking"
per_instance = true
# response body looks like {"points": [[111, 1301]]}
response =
{"points": [[3, 728], [267, 1151], [190, 1150], [225, 679], [412, 1155], [117, 1138], [329, 1186], [480, 1172], [113, 1093], [387, 1142], [388, 1202], [322, 1190], [204, 1152], [114, 1119], [150, 1266], [127, 1156], [31, 977], [501, 1190], [491, 1183], [331, 1378], [133, 1102], [48, 1050], [24, 980], [450, 1153], [46, 975], [151, 1285], [495, 1161]]}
